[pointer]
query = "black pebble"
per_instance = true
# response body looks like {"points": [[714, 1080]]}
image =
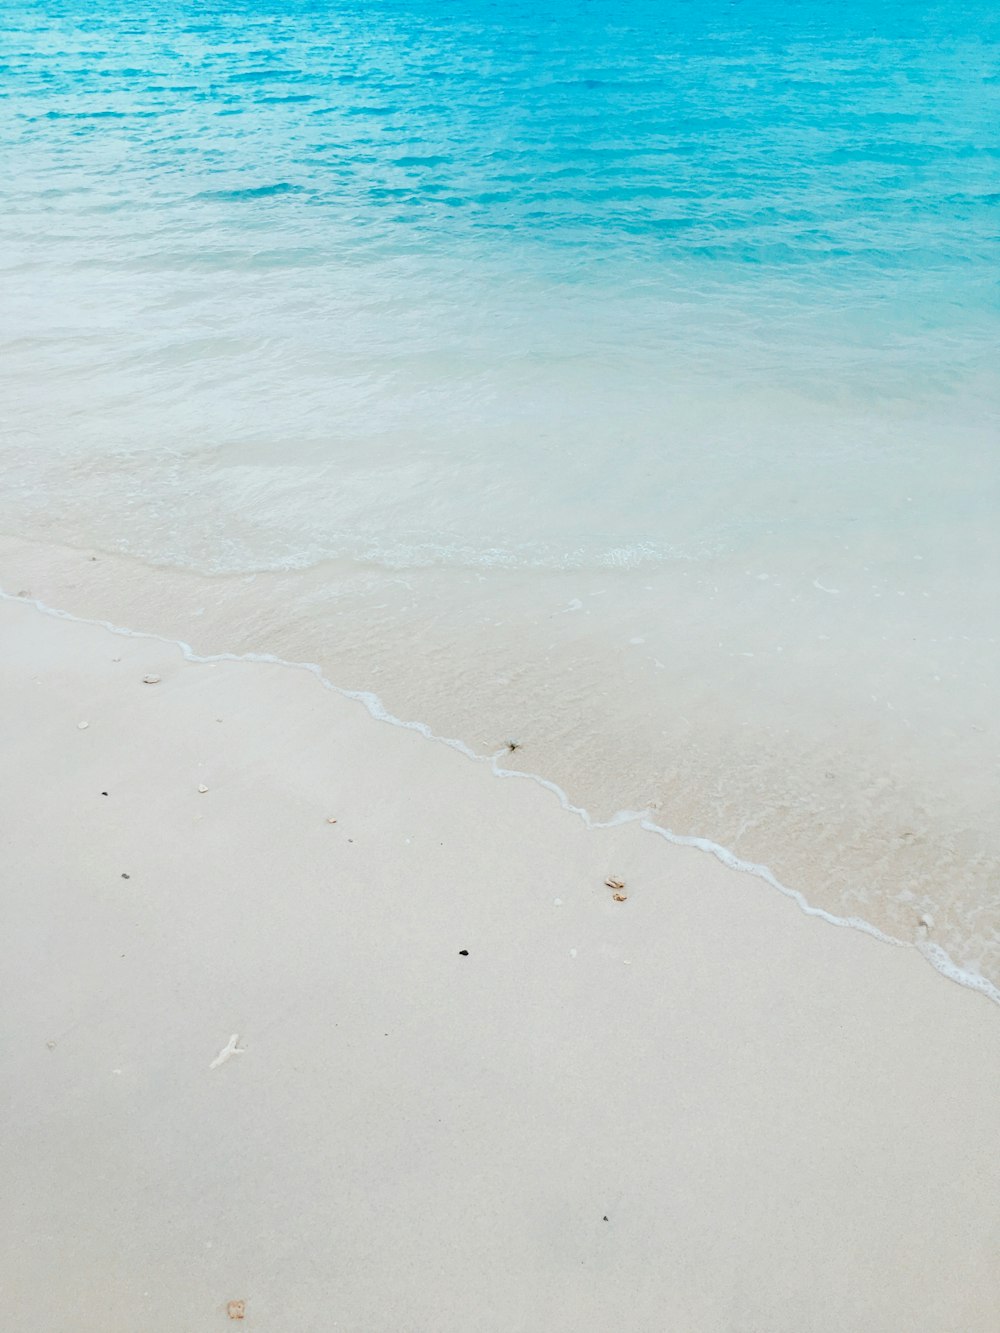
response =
{"points": [[124, 876], [464, 953], [104, 793], [605, 1217]]}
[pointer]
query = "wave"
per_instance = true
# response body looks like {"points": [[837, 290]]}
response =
{"points": [[251, 192]]}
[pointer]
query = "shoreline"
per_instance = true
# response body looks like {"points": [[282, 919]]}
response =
{"points": [[851, 829], [786, 1127], [934, 954]]}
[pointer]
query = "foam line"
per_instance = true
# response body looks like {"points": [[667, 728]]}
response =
{"points": [[932, 952]]}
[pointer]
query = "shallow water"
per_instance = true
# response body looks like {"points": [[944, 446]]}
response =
{"points": [[620, 379]]}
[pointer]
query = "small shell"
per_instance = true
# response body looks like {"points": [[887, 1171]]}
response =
{"points": [[202, 788], [613, 883], [331, 821], [82, 726], [620, 897], [151, 680]]}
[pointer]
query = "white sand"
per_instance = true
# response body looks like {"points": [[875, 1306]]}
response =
{"points": [[789, 1127]]}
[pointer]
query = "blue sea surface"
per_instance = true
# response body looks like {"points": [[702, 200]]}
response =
{"points": [[495, 301], [841, 154], [488, 226]]}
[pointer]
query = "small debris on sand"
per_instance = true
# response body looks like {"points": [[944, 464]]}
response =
{"points": [[331, 821], [124, 876], [513, 745], [202, 788], [464, 953], [232, 1047], [236, 1309], [613, 883], [50, 1045], [620, 897], [926, 921], [82, 726], [151, 680]]}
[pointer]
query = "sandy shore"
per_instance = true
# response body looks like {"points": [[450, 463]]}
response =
{"points": [[467, 1090]]}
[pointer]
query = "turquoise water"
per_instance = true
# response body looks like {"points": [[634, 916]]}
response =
{"points": [[638, 361], [471, 237]]}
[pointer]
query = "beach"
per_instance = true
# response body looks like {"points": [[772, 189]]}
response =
{"points": [[499, 645], [315, 1014], [634, 395]]}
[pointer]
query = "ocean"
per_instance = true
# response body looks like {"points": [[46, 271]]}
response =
{"points": [[616, 379]]}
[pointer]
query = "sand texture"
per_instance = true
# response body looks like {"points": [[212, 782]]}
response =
{"points": [[417, 1070]]}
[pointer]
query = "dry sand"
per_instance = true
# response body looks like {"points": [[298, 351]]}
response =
{"points": [[694, 1110]]}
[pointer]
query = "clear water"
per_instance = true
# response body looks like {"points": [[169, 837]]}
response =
{"points": [[621, 377]]}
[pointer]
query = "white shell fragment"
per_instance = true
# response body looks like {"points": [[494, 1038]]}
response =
{"points": [[202, 788], [927, 921], [151, 680], [232, 1047], [82, 726]]}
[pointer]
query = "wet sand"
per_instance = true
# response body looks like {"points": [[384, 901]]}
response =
{"points": [[417, 1069]]}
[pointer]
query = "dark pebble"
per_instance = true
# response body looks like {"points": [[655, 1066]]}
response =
{"points": [[464, 953]]}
